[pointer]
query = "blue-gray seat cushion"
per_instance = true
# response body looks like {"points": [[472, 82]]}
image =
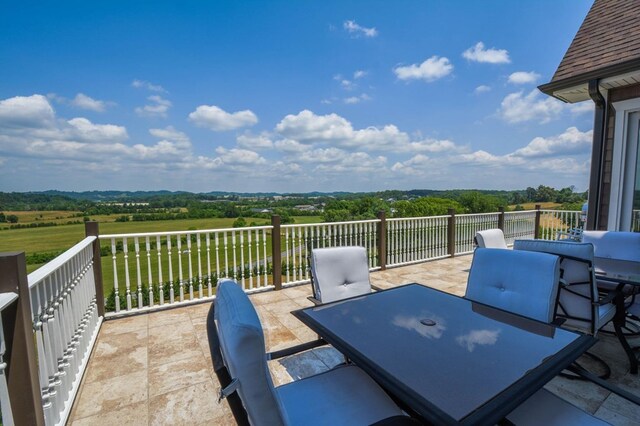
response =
{"points": [[243, 350], [343, 396], [521, 282], [340, 272], [545, 408]]}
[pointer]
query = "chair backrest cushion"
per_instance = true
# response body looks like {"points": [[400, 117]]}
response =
{"points": [[516, 281], [243, 350], [614, 245], [579, 289], [491, 238], [339, 272]]}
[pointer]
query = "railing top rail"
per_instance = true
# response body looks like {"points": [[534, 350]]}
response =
{"points": [[193, 231], [396, 219], [521, 211], [302, 225], [41, 273], [559, 211], [6, 299], [477, 214]]}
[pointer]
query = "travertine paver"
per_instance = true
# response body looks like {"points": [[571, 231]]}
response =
{"points": [[156, 368]]}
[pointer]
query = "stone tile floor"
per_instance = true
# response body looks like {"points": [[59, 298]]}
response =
{"points": [[156, 369]]}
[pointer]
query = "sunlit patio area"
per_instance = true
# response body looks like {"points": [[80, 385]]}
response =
{"points": [[156, 368]]}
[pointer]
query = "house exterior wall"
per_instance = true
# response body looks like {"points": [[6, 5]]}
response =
{"points": [[614, 95]]}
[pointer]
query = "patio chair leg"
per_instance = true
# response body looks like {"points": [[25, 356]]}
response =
{"points": [[633, 361]]}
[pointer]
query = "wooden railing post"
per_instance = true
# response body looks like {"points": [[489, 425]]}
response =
{"points": [[276, 252], [17, 319], [501, 218], [92, 229], [451, 233], [536, 227], [382, 240]]}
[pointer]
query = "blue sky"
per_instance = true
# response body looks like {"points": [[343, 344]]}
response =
{"points": [[288, 96]]}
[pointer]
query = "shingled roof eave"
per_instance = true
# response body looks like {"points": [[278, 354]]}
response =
{"points": [[583, 78]]}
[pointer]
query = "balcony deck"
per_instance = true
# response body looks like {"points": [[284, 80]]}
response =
{"points": [[156, 369]]}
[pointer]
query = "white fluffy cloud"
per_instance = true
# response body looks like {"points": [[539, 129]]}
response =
{"points": [[481, 89], [26, 111], [518, 107], [85, 102], [218, 120], [357, 99], [431, 69], [571, 141], [157, 108], [359, 31], [250, 141], [478, 53], [523, 77], [237, 156], [141, 84]]}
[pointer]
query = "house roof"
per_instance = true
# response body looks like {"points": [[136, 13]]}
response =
{"points": [[607, 45]]}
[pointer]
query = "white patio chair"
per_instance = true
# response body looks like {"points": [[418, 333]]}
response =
{"points": [[490, 238], [345, 395], [338, 273]]}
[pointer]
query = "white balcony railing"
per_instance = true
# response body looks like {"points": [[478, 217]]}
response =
{"points": [[416, 239], [65, 324]]}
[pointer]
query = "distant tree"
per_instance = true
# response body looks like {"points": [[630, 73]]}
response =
{"points": [[425, 206], [477, 202], [239, 222], [12, 218], [3, 218]]}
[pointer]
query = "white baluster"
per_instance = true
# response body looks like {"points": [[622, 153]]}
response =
{"points": [[160, 280], [127, 281], [208, 241], [150, 283], [249, 247], [180, 275], [171, 291], [115, 275], [138, 272], [190, 266], [242, 265]]}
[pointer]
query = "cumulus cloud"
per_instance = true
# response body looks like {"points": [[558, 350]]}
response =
{"points": [[478, 53], [157, 108], [250, 141], [218, 120], [432, 69], [481, 89], [359, 74], [523, 77], [478, 338], [518, 107], [307, 128], [571, 141], [141, 84], [237, 156], [85, 102], [582, 108], [359, 31], [26, 111]]}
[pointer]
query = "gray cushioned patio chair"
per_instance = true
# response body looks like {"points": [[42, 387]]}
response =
{"points": [[579, 302], [343, 395], [526, 283], [490, 238], [339, 272]]}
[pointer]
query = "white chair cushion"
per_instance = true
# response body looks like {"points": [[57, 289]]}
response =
{"points": [[342, 396], [491, 238], [340, 272]]}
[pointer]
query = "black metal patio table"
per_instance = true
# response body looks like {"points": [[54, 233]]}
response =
{"points": [[447, 359]]}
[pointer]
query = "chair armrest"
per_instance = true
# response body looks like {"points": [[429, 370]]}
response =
{"points": [[295, 349], [314, 300], [376, 288]]}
